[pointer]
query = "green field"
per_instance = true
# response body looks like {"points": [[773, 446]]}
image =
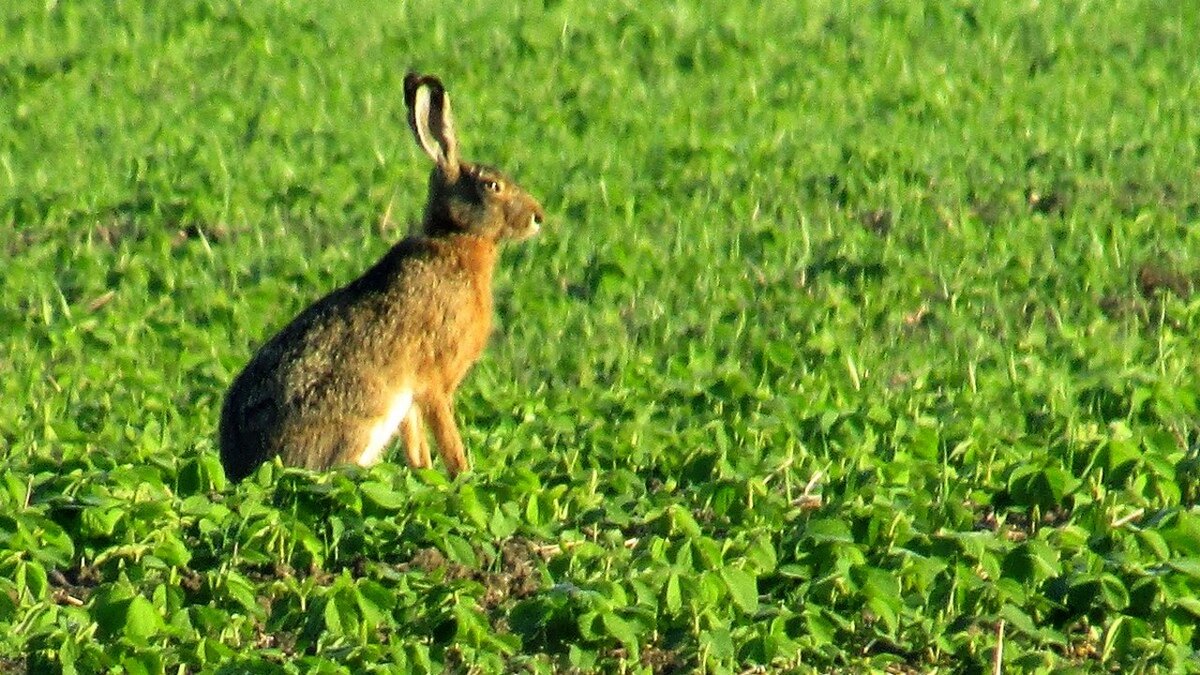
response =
{"points": [[859, 335]]}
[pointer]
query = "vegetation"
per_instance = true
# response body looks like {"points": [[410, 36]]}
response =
{"points": [[860, 336]]}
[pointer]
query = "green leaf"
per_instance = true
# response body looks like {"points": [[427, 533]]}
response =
{"points": [[533, 514], [1183, 535], [719, 643], [1155, 542], [672, 596], [373, 602], [333, 617], [1052, 485], [886, 611], [823, 530], [1018, 619], [468, 501], [1032, 561], [819, 626], [1188, 566], [1191, 605], [1118, 453], [241, 591], [460, 551], [383, 495], [109, 608], [709, 551], [172, 551], [1116, 596], [32, 577], [683, 522], [472, 625], [15, 489], [742, 588], [142, 620], [924, 444], [684, 556], [761, 554], [621, 630], [101, 522], [501, 526], [882, 584], [1180, 627], [711, 590]]}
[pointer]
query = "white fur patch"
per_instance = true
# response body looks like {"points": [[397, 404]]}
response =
{"points": [[386, 427]]}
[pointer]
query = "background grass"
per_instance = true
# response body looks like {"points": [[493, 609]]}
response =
{"points": [[856, 332]]}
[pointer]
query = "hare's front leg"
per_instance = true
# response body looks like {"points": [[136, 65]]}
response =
{"points": [[440, 415], [416, 446]]}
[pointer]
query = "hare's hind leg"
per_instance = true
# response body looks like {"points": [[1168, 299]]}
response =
{"points": [[416, 446], [440, 414], [385, 427]]}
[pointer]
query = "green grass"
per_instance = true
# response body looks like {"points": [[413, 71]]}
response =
{"points": [[855, 332]]}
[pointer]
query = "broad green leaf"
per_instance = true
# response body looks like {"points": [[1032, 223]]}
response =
{"points": [[621, 630], [501, 526], [383, 495], [101, 522], [1116, 639], [823, 630], [241, 591], [532, 511], [718, 643], [468, 501], [673, 598], [1116, 596], [460, 551], [828, 530], [1188, 566], [761, 554], [682, 521], [32, 578], [1018, 619], [742, 588], [172, 551], [373, 603], [142, 620], [109, 608], [333, 617], [1192, 605]]}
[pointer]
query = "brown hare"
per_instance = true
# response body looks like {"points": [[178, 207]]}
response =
{"points": [[387, 351]]}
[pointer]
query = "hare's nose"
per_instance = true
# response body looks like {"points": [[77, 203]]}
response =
{"points": [[538, 216]]}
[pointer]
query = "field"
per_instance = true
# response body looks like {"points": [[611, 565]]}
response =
{"points": [[860, 337]]}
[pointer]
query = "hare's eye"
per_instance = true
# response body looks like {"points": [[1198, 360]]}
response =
{"points": [[492, 185]]}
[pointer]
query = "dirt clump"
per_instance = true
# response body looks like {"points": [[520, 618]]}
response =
{"points": [[516, 577], [1153, 280]]}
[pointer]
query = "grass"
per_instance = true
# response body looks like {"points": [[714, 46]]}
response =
{"points": [[856, 336]]}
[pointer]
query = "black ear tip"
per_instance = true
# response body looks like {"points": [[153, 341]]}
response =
{"points": [[411, 82], [414, 81]]}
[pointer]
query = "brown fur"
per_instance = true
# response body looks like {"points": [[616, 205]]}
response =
{"points": [[417, 320]]}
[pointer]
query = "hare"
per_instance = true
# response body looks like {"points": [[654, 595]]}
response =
{"points": [[387, 351]]}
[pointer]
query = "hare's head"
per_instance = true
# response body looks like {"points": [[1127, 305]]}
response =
{"points": [[464, 197]]}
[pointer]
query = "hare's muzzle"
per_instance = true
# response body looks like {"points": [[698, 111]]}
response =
{"points": [[527, 219]]}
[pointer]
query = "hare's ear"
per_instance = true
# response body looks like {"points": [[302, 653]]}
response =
{"points": [[431, 121]]}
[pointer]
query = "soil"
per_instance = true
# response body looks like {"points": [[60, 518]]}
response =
{"points": [[517, 577], [73, 586], [1153, 280], [878, 221]]}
